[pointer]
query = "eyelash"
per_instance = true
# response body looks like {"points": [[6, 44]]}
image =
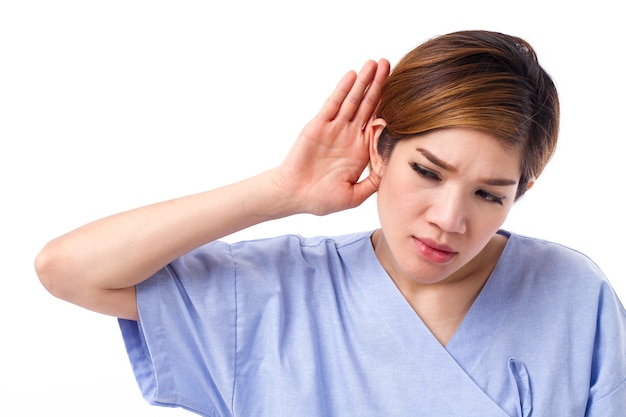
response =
{"points": [[430, 175], [490, 197], [426, 173]]}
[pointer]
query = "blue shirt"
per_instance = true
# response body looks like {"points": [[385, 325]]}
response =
{"points": [[294, 326]]}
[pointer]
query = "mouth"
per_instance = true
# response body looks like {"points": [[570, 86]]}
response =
{"points": [[434, 251]]}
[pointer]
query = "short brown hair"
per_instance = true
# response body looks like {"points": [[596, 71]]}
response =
{"points": [[478, 79]]}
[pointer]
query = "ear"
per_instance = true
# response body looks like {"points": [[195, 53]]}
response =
{"points": [[373, 132], [530, 184]]}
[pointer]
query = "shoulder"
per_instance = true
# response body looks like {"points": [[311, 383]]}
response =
{"points": [[554, 276], [278, 256], [535, 254], [297, 245]]}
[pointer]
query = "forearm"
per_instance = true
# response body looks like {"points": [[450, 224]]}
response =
{"points": [[124, 249]]}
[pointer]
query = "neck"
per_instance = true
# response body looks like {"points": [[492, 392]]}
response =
{"points": [[442, 306]]}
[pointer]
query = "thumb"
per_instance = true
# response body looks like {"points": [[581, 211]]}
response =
{"points": [[365, 188]]}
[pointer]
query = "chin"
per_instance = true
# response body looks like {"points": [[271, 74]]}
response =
{"points": [[430, 273]]}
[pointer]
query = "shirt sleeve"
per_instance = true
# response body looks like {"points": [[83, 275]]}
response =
{"points": [[608, 385], [182, 349]]}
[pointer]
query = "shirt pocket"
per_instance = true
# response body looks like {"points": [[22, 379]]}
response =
{"points": [[521, 382]]}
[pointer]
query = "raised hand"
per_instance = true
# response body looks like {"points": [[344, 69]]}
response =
{"points": [[320, 174], [98, 265]]}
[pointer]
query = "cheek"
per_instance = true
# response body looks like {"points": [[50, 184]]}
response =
{"points": [[385, 199], [486, 222], [388, 192], [398, 198]]}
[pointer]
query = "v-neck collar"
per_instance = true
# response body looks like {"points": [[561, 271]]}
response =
{"points": [[482, 319], [445, 369], [489, 311]]}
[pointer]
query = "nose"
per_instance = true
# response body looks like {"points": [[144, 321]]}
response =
{"points": [[448, 212]]}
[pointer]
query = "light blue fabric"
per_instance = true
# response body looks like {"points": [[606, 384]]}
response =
{"points": [[294, 326]]}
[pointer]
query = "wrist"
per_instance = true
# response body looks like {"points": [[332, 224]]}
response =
{"points": [[266, 200]]}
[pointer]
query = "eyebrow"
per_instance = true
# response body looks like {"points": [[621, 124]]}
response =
{"points": [[443, 164]]}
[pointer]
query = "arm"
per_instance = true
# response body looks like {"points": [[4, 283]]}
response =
{"points": [[98, 265]]}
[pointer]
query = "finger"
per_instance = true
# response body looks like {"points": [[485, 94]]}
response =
{"points": [[370, 100], [333, 102], [365, 188], [352, 101]]}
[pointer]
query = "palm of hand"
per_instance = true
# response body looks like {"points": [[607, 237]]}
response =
{"points": [[320, 174]]}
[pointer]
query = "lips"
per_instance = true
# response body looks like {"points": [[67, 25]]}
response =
{"points": [[434, 251]]}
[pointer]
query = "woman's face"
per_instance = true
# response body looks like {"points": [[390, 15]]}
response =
{"points": [[442, 197]]}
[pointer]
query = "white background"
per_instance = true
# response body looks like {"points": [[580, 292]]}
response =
{"points": [[107, 105]]}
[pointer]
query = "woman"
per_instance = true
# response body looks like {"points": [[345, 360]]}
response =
{"points": [[437, 313]]}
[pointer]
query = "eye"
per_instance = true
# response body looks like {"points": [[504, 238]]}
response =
{"points": [[490, 197], [426, 173]]}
